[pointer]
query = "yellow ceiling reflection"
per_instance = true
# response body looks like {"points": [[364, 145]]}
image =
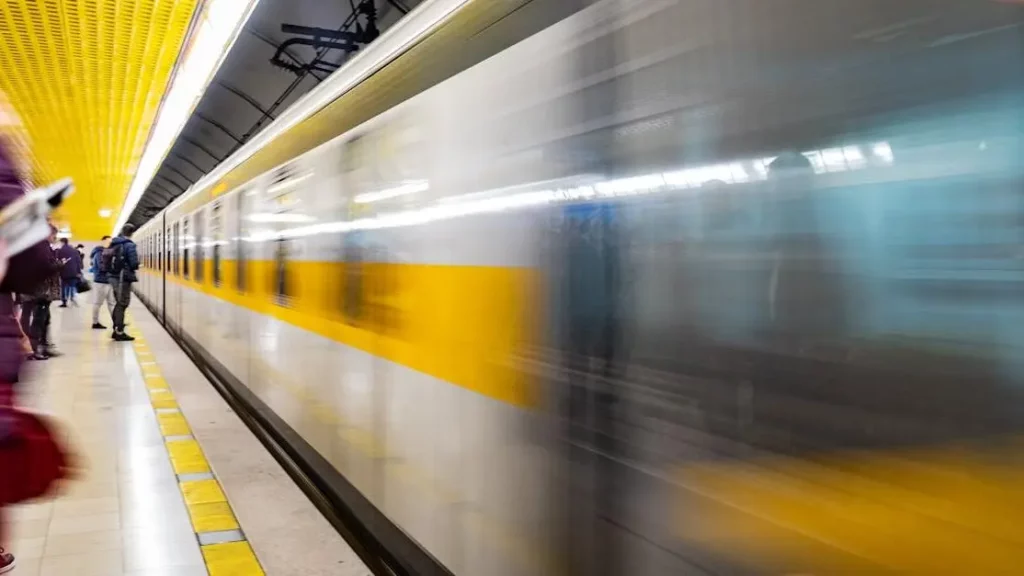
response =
{"points": [[86, 78]]}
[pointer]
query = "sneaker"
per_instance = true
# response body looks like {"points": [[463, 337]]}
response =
{"points": [[7, 562], [122, 337], [52, 352], [98, 326], [63, 305]]}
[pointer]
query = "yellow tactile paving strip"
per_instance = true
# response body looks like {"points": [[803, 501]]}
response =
{"points": [[207, 504]]}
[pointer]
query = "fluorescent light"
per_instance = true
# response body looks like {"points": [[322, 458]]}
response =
{"points": [[398, 38], [105, 212], [218, 27], [403, 190]]}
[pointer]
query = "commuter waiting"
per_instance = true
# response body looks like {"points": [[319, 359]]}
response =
{"points": [[121, 260], [70, 272], [101, 279]]}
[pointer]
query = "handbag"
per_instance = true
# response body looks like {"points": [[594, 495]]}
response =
{"points": [[31, 459], [82, 285]]}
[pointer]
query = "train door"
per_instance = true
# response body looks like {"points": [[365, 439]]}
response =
{"points": [[165, 262], [179, 272], [236, 280], [359, 256]]}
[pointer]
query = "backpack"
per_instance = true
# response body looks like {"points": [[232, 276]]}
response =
{"points": [[112, 260]]}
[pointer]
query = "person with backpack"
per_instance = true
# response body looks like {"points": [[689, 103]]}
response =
{"points": [[70, 272], [121, 261], [101, 278]]}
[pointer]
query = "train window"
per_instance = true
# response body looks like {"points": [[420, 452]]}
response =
{"points": [[240, 241], [200, 223], [216, 237], [186, 261], [176, 246], [356, 159], [280, 274], [173, 257]]}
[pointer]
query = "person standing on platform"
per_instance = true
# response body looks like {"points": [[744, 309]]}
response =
{"points": [[122, 262], [101, 279], [35, 314], [71, 270]]}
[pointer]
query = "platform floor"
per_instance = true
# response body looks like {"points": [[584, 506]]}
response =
{"points": [[172, 482]]}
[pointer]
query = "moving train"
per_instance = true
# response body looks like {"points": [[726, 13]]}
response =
{"points": [[641, 286]]}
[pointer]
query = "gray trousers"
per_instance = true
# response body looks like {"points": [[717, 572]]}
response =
{"points": [[103, 293], [122, 297]]}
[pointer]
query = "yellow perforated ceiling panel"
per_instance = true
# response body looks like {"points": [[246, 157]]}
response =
{"points": [[86, 77]]}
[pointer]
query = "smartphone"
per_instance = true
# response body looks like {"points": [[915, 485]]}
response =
{"points": [[24, 222]]}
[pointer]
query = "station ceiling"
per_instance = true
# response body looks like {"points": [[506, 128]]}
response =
{"points": [[86, 78], [270, 66]]}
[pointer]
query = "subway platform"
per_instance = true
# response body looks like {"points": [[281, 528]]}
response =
{"points": [[171, 482]]}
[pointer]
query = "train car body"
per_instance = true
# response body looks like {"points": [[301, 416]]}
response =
{"points": [[570, 306]]}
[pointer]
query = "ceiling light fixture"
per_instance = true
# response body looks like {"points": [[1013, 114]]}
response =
{"points": [[218, 26]]}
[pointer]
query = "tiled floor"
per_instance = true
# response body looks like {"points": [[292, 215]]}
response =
{"points": [[125, 514]]}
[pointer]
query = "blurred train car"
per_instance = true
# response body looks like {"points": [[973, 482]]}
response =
{"points": [[642, 286]]}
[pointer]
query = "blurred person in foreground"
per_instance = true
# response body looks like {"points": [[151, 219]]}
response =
{"points": [[27, 270], [70, 271], [7, 561], [101, 278], [122, 262]]}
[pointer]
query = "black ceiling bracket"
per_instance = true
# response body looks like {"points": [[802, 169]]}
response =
{"points": [[359, 29]]}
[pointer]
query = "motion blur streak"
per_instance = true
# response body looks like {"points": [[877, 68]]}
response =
{"points": [[646, 287]]}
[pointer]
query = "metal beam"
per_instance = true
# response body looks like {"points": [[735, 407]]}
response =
{"points": [[159, 191], [201, 147], [169, 181], [277, 47], [218, 126], [189, 162], [252, 102], [361, 37], [188, 183], [400, 6], [179, 173]]}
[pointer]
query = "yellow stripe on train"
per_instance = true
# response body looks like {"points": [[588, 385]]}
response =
{"points": [[461, 324], [953, 510]]}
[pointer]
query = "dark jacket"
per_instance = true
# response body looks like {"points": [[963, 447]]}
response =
{"points": [[49, 288], [95, 257], [72, 268], [131, 259]]}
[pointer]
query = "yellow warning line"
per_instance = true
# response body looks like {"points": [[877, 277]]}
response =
{"points": [[207, 504]]}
